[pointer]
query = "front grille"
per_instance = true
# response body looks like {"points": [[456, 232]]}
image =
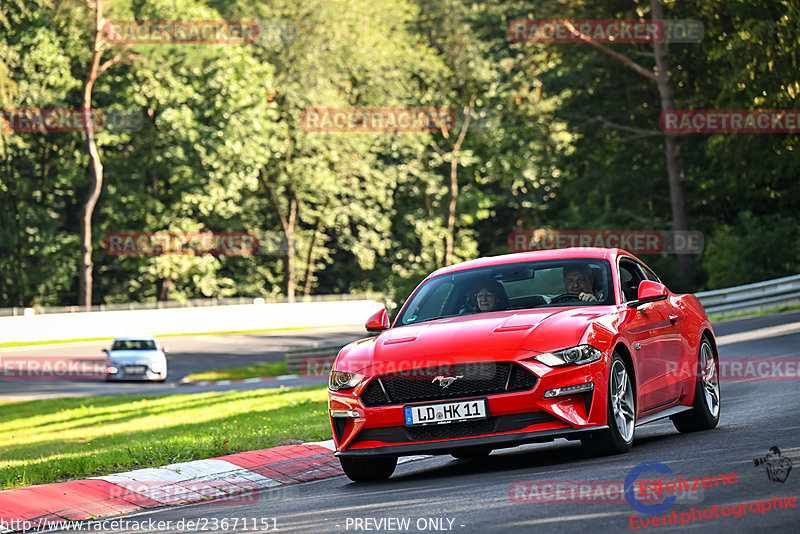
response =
{"points": [[420, 385], [491, 425]]}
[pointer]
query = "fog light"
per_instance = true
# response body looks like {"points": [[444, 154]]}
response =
{"points": [[112, 370], [569, 390], [344, 413]]}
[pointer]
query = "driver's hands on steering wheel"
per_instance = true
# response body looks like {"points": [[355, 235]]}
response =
{"points": [[587, 297]]}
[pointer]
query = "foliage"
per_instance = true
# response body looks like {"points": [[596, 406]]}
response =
{"points": [[561, 136]]}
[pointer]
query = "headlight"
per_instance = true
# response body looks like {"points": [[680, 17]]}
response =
{"points": [[340, 380], [579, 355]]}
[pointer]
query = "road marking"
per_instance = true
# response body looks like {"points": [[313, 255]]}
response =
{"points": [[760, 333]]}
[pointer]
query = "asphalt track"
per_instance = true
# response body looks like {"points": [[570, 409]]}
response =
{"points": [[441, 494]]}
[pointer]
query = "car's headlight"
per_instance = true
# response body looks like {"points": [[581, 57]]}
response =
{"points": [[341, 380], [579, 355]]}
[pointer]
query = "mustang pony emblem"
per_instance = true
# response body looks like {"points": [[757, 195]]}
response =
{"points": [[445, 381]]}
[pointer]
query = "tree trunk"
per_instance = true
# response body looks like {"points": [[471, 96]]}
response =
{"points": [[288, 223], [450, 236], [165, 288], [311, 249], [95, 166], [290, 245], [672, 152]]}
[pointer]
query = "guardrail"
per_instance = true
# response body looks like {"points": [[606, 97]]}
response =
{"points": [[752, 297]]}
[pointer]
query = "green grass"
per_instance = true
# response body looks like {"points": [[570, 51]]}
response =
{"points": [[721, 316], [53, 440], [9, 344], [239, 373]]}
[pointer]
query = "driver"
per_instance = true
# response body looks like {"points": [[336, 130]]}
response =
{"points": [[578, 279]]}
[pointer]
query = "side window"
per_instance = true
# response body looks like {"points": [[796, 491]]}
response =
{"points": [[630, 276], [650, 275]]}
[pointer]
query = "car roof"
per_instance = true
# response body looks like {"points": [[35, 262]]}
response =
{"points": [[135, 338], [536, 255]]}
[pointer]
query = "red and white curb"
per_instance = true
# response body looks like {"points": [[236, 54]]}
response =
{"points": [[245, 380], [216, 479]]}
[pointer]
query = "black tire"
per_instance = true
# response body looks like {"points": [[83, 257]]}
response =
{"points": [[368, 469], [611, 441], [467, 453], [701, 417]]}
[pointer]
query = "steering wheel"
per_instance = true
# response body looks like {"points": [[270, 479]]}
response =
{"points": [[565, 296]]}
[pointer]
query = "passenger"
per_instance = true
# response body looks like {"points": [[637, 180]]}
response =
{"points": [[490, 296]]}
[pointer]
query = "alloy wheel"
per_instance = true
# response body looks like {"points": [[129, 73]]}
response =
{"points": [[622, 400], [710, 379]]}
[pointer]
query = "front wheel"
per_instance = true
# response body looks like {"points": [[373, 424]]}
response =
{"points": [[706, 405], [621, 413], [368, 469]]}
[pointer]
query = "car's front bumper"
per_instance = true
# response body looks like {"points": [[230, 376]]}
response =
{"points": [[493, 442], [516, 417], [148, 375]]}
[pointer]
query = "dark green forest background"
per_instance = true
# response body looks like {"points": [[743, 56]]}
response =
{"points": [[561, 136]]}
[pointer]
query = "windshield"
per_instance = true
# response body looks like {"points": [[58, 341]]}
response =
{"points": [[516, 286], [134, 344]]}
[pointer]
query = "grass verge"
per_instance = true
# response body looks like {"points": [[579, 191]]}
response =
{"points": [[240, 373], [722, 316], [61, 439]]}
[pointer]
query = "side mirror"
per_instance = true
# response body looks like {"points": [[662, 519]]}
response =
{"points": [[165, 349], [378, 322], [106, 351], [649, 291]]}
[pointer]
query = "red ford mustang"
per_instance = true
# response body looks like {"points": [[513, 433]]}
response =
{"points": [[583, 343]]}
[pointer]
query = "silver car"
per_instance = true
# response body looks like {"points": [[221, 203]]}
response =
{"points": [[136, 358]]}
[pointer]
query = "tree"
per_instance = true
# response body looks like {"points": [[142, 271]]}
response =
{"points": [[95, 164], [661, 76]]}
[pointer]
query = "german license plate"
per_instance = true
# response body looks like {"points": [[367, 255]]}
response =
{"points": [[445, 412], [135, 369]]}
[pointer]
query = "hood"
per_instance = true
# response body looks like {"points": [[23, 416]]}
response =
{"points": [[134, 356], [469, 338]]}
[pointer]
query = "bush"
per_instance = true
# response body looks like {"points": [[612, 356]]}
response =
{"points": [[751, 250]]}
